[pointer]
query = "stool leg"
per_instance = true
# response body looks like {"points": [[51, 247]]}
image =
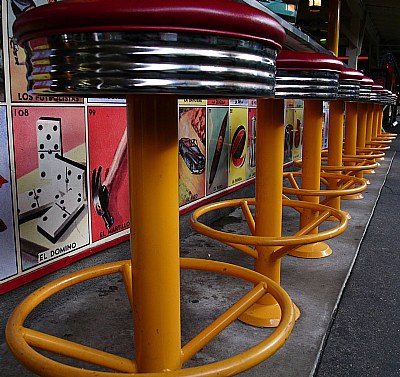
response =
{"points": [[370, 118], [368, 130], [350, 142], [311, 174], [269, 157], [361, 130], [153, 182], [335, 147], [380, 119], [361, 125], [375, 122]]}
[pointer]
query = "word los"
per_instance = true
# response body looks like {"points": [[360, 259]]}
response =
{"points": [[50, 254], [29, 97]]}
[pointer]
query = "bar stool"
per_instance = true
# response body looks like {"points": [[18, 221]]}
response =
{"points": [[378, 95], [266, 228], [391, 101], [385, 98], [358, 158], [374, 147], [314, 78], [334, 175], [353, 162], [362, 120], [151, 52]]}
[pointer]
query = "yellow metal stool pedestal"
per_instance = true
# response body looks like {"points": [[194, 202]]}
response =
{"points": [[337, 178], [152, 53], [314, 78], [266, 243]]}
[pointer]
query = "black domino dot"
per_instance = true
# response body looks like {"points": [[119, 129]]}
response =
{"points": [[48, 136], [55, 128], [41, 156], [44, 218], [42, 174], [40, 127]]}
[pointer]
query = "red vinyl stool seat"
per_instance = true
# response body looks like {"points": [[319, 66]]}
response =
{"points": [[307, 75], [124, 47]]}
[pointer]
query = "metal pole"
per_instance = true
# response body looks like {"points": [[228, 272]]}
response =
{"points": [[311, 173], [334, 26], [269, 161], [370, 118], [380, 120], [368, 130], [361, 130], [350, 143], [375, 122], [335, 145], [153, 185]]}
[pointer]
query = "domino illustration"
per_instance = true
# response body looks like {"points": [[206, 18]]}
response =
{"points": [[60, 216], [35, 202], [58, 204], [72, 177], [49, 144]]}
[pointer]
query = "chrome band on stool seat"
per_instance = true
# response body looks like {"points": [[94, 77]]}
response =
{"points": [[349, 90], [349, 84], [377, 93], [365, 89], [162, 62], [306, 84]]}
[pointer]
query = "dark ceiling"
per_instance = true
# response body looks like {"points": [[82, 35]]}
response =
{"points": [[372, 24]]}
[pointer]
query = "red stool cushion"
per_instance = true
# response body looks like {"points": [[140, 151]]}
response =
{"points": [[307, 61], [350, 75], [219, 17], [366, 81]]}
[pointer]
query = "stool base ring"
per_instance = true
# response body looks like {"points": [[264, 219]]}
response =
{"points": [[301, 238], [21, 340], [349, 185]]}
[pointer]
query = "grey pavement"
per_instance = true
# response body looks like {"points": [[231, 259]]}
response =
{"points": [[364, 339], [348, 301]]}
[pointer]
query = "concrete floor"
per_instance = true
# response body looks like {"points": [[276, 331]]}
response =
{"points": [[97, 313]]}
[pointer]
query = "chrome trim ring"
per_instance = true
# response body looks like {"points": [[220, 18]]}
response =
{"points": [[154, 62], [306, 84], [376, 96], [365, 93], [349, 90]]}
